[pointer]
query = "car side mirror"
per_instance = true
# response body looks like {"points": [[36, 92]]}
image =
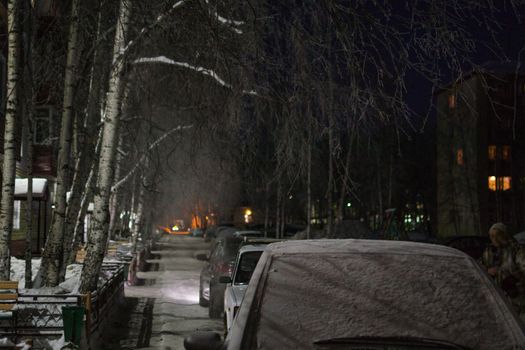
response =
{"points": [[202, 257], [225, 279], [203, 341]]}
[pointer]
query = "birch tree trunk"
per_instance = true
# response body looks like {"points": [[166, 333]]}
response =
{"points": [[87, 149], [131, 216], [138, 222], [78, 231], [12, 110], [28, 120], [53, 251], [97, 241], [115, 195]]}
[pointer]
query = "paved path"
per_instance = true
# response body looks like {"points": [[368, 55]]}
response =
{"points": [[167, 308]]}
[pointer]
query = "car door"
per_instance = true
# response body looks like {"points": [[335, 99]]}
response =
{"points": [[207, 270], [215, 260]]}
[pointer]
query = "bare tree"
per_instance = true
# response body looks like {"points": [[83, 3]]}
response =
{"points": [[28, 109], [14, 80], [53, 251], [96, 246]]}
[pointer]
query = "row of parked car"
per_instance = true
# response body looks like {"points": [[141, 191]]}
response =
{"points": [[226, 242], [353, 294]]}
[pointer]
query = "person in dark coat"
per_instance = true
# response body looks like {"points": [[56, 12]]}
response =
{"points": [[504, 260]]}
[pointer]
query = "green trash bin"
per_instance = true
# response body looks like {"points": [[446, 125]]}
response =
{"points": [[126, 271], [73, 317]]}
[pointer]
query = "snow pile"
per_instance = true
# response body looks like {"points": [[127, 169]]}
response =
{"points": [[25, 345], [72, 281], [56, 344], [69, 286], [6, 342], [18, 270]]}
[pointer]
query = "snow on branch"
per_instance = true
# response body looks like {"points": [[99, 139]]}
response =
{"points": [[145, 30], [141, 160], [231, 23], [202, 70]]}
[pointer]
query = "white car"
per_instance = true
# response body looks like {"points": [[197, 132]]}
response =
{"points": [[358, 294], [249, 234], [245, 263]]}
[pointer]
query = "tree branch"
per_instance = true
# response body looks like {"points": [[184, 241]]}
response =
{"points": [[152, 146], [202, 70], [225, 21]]}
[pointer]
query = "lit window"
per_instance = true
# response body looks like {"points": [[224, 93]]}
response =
{"points": [[506, 181], [16, 215], [505, 152], [492, 183], [503, 183], [451, 101], [492, 152], [459, 157]]}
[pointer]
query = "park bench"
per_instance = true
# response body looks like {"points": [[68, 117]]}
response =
{"points": [[8, 300]]}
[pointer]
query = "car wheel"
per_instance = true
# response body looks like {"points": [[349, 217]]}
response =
{"points": [[215, 310], [202, 302]]}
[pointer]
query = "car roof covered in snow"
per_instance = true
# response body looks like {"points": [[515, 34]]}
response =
{"points": [[258, 247], [360, 246]]}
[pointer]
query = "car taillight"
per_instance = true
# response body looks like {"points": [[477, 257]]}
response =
{"points": [[226, 268]]}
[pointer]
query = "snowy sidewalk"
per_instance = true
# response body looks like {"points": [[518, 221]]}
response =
{"points": [[175, 293]]}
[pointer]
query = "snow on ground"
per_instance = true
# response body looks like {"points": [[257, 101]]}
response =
{"points": [[176, 311], [56, 344], [70, 285], [6, 342], [18, 270]]}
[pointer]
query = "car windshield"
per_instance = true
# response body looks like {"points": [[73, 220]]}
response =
{"points": [[246, 265], [387, 295]]}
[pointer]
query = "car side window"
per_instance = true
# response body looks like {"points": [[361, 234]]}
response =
{"points": [[246, 266], [215, 251]]}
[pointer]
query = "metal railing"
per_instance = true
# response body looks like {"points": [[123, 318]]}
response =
{"points": [[41, 314], [99, 302]]}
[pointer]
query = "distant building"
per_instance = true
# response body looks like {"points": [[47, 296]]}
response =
{"points": [[480, 153]]}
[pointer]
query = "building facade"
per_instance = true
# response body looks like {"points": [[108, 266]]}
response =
{"points": [[480, 153]]}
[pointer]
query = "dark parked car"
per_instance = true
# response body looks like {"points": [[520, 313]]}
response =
{"points": [[220, 263], [197, 232], [368, 294], [215, 231]]}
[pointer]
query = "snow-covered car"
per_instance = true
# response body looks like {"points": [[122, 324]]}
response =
{"points": [[368, 294], [245, 263], [248, 233]]}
